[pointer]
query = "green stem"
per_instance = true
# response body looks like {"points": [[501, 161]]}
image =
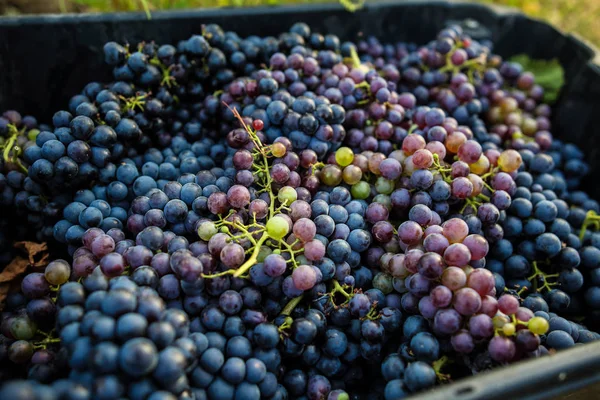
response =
{"points": [[337, 288], [253, 258], [289, 307]]}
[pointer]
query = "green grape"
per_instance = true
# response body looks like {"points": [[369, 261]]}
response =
{"points": [[331, 175], [500, 320], [302, 260], [361, 190], [22, 328], [263, 253], [206, 230], [384, 186], [32, 134], [277, 228], [287, 195], [57, 272], [344, 156], [383, 282], [509, 329], [383, 199], [538, 325]]}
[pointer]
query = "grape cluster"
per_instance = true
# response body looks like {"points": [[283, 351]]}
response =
{"points": [[293, 217]]}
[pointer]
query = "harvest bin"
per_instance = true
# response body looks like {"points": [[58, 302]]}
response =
{"points": [[44, 60]]}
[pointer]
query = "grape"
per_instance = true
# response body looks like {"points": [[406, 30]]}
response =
{"points": [[477, 245], [469, 152], [467, 301], [277, 227], [508, 304], [481, 280], [462, 342], [275, 265], [509, 160], [441, 296], [344, 156], [538, 325], [431, 265], [57, 272], [457, 254], [501, 349], [455, 230], [481, 326], [435, 242], [410, 232], [304, 229], [304, 277], [454, 278], [238, 196]]}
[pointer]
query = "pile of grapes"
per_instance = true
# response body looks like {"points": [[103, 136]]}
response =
{"points": [[292, 217]]}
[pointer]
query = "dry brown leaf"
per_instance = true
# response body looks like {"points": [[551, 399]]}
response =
{"points": [[37, 252], [4, 289], [16, 267], [37, 256]]}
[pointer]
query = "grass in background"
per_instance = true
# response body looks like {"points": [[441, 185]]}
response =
{"points": [[579, 16]]}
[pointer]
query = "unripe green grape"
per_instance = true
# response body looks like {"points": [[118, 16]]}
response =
{"points": [[383, 282], [263, 253], [384, 186], [206, 230], [22, 328], [538, 325], [301, 259], [32, 134], [383, 199], [287, 195], [344, 156], [57, 272], [361, 190], [277, 228]]}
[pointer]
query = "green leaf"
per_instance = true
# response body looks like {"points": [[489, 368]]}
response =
{"points": [[549, 74]]}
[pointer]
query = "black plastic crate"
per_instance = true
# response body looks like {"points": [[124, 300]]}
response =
{"points": [[44, 60]]}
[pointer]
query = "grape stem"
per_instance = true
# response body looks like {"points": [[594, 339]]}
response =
{"points": [[253, 258], [437, 367], [591, 218], [289, 307], [43, 344], [539, 274]]}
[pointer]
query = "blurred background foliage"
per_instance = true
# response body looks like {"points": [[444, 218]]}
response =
{"points": [[579, 16]]}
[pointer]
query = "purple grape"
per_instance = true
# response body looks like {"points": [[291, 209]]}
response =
{"points": [[112, 264], [275, 265], [410, 232], [431, 265], [35, 285], [462, 342], [467, 301], [481, 326], [446, 322], [501, 349], [304, 229], [457, 254], [441, 296], [426, 307]]}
